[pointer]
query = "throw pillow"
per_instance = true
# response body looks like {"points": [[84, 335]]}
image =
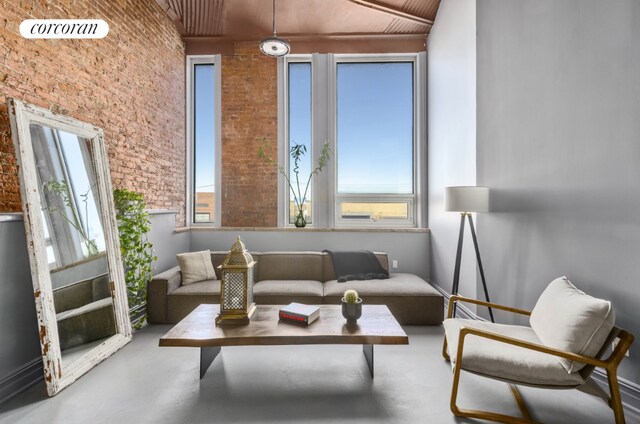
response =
{"points": [[568, 319], [196, 266]]}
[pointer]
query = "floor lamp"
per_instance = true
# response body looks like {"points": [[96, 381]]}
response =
{"points": [[467, 199]]}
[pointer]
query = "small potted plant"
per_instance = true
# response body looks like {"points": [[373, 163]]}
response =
{"points": [[351, 306]]}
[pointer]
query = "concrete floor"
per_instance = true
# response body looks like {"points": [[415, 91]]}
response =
{"points": [[144, 383]]}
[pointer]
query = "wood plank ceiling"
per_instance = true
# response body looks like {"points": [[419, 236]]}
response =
{"points": [[252, 19]]}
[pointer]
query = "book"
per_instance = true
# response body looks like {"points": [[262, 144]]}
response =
{"points": [[299, 313]]}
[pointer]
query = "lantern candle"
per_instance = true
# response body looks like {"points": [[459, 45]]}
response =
{"points": [[236, 286]]}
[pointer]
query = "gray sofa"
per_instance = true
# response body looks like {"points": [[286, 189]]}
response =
{"points": [[304, 277]]}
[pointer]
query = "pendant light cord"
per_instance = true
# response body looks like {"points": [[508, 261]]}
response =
{"points": [[274, 18]]}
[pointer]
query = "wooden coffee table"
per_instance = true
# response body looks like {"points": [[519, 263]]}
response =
{"points": [[198, 329]]}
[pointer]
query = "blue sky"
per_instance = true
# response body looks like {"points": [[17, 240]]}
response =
{"points": [[204, 128], [375, 127], [300, 116], [72, 148], [375, 124]]}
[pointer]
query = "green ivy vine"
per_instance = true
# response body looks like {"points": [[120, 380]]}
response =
{"points": [[136, 249]]}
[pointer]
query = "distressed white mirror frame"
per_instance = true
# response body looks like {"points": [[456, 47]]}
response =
{"points": [[56, 376]]}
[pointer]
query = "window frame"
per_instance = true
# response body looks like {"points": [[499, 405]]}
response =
{"points": [[324, 127], [376, 198], [284, 198], [410, 199], [191, 61]]}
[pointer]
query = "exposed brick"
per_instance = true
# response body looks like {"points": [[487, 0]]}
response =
{"points": [[130, 83], [249, 112]]}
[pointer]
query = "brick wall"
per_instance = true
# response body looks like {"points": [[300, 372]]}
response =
{"points": [[130, 83], [249, 112]]}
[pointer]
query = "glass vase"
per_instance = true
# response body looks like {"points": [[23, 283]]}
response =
{"points": [[300, 222]]}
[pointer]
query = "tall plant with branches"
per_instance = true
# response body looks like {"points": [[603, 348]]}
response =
{"points": [[297, 153]]}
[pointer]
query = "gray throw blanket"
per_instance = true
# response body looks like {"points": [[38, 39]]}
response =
{"points": [[356, 265]]}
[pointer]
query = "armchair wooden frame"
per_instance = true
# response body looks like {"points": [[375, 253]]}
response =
{"points": [[610, 365]]}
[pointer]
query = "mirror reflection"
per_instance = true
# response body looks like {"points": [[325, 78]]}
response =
{"points": [[74, 240]]}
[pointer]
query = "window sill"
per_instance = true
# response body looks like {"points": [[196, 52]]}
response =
{"points": [[308, 229]]}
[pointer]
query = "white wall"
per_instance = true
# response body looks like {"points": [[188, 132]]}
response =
{"points": [[559, 144], [451, 97]]}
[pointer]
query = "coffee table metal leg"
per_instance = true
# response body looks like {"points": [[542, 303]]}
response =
{"points": [[207, 355], [368, 354]]}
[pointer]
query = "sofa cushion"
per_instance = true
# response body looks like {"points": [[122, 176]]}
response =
{"points": [[217, 257], [283, 292], [207, 287], [410, 299], [196, 266], [398, 284], [289, 266], [288, 287], [504, 361], [184, 299], [568, 319]]}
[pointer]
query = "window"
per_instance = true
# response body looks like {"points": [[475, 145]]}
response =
{"points": [[371, 110], [375, 141], [299, 131], [203, 109]]}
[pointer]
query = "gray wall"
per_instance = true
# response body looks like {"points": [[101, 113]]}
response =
{"points": [[409, 248], [166, 242], [558, 141], [452, 136], [18, 324]]}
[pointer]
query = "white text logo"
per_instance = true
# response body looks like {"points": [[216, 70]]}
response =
{"points": [[64, 28]]}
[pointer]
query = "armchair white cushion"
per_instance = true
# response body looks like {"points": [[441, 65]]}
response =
{"points": [[503, 361], [568, 319]]}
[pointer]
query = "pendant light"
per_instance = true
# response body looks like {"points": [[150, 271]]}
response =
{"points": [[274, 46]]}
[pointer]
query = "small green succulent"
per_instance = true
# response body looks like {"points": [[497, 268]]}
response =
{"points": [[351, 296]]}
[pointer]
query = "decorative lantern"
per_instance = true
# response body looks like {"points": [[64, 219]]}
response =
{"points": [[236, 286]]}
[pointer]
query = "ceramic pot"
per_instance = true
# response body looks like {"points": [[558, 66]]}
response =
{"points": [[352, 311]]}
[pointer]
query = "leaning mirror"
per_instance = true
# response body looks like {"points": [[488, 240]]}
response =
{"points": [[71, 230]]}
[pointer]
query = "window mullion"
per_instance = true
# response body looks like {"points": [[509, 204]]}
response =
{"points": [[283, 137], [329, 122], [321, 133]]}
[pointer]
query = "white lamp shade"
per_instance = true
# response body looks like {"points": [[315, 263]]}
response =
{"points": [[466, 199]]}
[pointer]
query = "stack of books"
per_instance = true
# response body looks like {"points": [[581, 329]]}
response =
{"points": [[299, 313]]}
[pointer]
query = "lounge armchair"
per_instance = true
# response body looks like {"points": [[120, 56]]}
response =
{"points": [[567, 339]]}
